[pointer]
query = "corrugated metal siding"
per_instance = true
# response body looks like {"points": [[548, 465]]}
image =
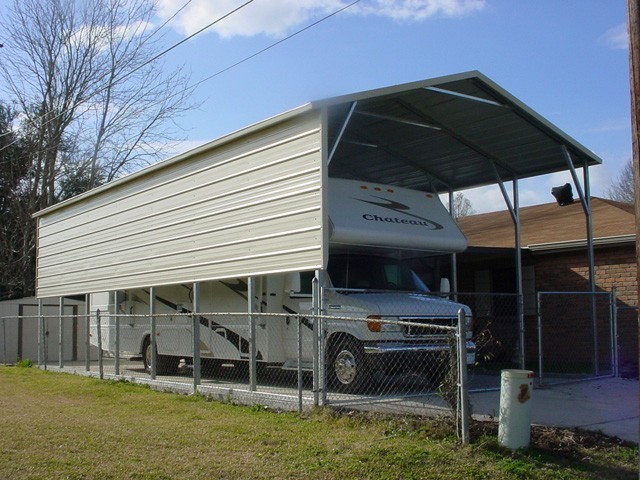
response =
{"points": [[248, 207]]}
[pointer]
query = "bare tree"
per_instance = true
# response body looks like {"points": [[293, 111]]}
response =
{"points": [[462, 206], [86, 73], [93, 101], [622, 189]]}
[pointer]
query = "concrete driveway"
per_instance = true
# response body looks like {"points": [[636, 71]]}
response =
{"points": [[609, 405]]}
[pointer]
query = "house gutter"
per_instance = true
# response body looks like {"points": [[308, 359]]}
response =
{"points": [[578, 244]]}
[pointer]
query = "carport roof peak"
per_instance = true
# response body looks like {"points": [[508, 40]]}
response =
{"points": [[444, 134]]}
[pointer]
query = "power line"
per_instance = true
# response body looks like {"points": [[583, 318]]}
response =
{"points": [[269, 47], [164, 52], [189, 37], [247, 58]]}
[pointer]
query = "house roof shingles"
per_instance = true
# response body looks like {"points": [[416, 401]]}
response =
{"points": [[549, 223]]}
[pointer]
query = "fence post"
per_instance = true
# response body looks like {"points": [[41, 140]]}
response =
{"points": [[613, 299], [87, 337], [251, 291], [116, 359], [196, 336], [323, 338], [594, 328], [462, 377], [99, 329], [540, 371], [43, 350], [4, 341]]}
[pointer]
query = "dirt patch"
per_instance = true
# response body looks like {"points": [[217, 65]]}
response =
{"points": [[562, 441]]}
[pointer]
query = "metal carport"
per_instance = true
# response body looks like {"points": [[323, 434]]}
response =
{"points": [[452, 133], [438, 135]]}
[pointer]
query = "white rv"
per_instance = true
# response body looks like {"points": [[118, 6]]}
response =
{"points": [[374, 230]]}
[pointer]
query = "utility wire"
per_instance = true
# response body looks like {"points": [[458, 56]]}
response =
{"points": [[188, 38], [275, 44], [164, 52], [249, 57]]}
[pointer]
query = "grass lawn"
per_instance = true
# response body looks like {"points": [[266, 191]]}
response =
{"points": [[66, 426]]}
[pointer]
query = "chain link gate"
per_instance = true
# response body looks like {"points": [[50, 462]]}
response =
{"points": [[576, 336]]}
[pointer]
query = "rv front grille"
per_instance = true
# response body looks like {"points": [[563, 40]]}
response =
{"points": [[430, 328]]}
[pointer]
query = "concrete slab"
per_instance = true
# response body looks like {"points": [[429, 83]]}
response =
{"points": [[609, 405]]}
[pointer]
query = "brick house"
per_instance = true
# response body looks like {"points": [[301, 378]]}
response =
{"points": [[554, 259]]}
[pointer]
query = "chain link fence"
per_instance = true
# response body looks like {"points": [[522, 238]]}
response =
{"points": [[407, 363], [495, 334], [626, 323], [285, 361]]}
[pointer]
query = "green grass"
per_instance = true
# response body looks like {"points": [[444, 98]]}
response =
{"points": [[65, 426]]}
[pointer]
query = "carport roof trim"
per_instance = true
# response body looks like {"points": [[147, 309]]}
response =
{"points": [[496, 96]]}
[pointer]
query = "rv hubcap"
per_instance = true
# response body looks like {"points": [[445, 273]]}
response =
{"points": [[345, 367]]}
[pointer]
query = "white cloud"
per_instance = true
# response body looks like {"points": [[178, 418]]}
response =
{"points": [[617, 37], [610, 125], [278, 17]]}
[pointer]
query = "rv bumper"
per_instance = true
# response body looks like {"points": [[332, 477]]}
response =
{"points": [[404, 349]]}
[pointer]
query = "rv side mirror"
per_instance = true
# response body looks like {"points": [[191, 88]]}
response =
{"points": [[292, 282], [445, 286]]}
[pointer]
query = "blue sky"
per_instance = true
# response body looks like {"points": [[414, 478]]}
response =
{"points": [[568, 60]]}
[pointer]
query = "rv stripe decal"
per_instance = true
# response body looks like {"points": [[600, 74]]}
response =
{"points": [[221, 330], [305, 321]]}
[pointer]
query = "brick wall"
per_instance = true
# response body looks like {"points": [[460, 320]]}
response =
{"points": [[568, 271]]}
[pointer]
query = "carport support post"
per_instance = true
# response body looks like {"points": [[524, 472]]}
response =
{"points": [[61, 332], [454, 257], [196, 336], [116, 360], [40, 334], [518, 251], [87, 336], [585, 199], [99, 329], [152, 334], [514, 210], [316, 336], [251, 292]]}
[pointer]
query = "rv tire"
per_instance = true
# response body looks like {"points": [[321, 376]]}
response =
{"points": [[165, 364], [347, 369]]}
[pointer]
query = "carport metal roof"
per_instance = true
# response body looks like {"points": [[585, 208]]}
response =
{"points": [[443, 134], [439, 135]]}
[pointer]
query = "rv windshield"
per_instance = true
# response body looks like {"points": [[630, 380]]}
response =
{"points": [[372, 272]]}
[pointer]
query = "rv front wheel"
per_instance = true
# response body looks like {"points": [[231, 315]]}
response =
{"points": [[165, 364], [347, 366]]}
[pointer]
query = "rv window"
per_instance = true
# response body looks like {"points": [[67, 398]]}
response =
{"points": [[368, 272], [306, 279]]}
